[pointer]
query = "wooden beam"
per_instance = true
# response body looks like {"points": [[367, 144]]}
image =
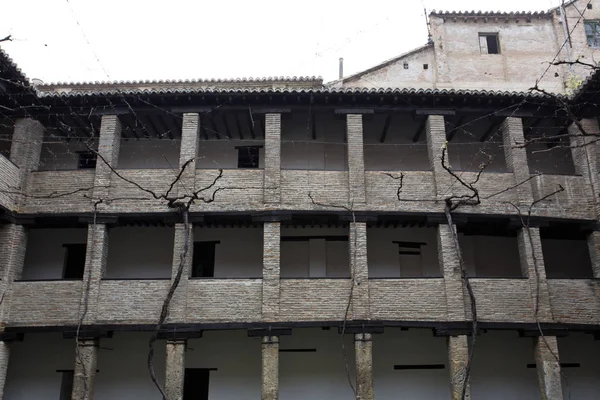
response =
{"points": [[239, 126], [435, 111], [125, 121], [226, 124], [271, 110], [354, 111], [492, 130], [452, 132], [150, 123], [203, 131], [531, 123], [314, 125], [213, 125], [162, 126], [251, 125], [420, 130], [386, 126], [194, 109]]}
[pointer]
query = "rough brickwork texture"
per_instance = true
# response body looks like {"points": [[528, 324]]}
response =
{"points": [[363, 350], [593, 240], [532, 265], [26, 146], [502, 300], [356, 159], [127, 197], [573, 202], [382, 190], [270, 368], [9, 183], [96, 257], [548, 367], [13, 243], [236, 185], [271, 271], [311, 300], [435, 130], [408, 299], [224, 300], [516, 158], [585, 157], [47, 184], [84, 376], [359, 268], [458, 356], [175, 369], [117, 297], [326, 187], [575, 300], [272, 159], [4, 357], [177, 308], [190, 140], [45, 303], [450, 265], [108, 149]]}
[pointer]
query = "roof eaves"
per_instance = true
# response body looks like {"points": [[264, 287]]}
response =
{"points": [[479, 13], [13, 68]]}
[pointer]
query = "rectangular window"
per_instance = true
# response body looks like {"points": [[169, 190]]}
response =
{"points": [[195, 383], [66, 385], [248, 156], [74, 261], [592, 32], [203, 262], [410, 259], [489, 43], [87, 160]]}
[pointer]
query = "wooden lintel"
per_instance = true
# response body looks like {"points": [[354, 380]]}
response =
{"points": [[191, 109], [419, 131], [492, 130], [386, 126], [203, 131], [226, 124], [274, 331], [452, 132], [514, 113], [271, 110], [435, 111], [239, 126], [354, 111]]}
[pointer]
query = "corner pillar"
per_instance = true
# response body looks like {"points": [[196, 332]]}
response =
{"points": [[86, 359], [458, 357], [516, 158], [356, 160], [96, 257], [583, 150], [271, 271], [359, 271], [178, 302], [25, 150], [363, 348], [175, 369], [270, 368], [548, 367], [272, 184], [450, 266], [435, 129], [13, 244], [4, 357], [188, 153], [593, 241], [108, 149]]}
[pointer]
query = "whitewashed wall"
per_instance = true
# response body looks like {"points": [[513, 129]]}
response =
{"points": [[239, 253], [45, 254], [384, 258], [149, 153], [315, 258]]}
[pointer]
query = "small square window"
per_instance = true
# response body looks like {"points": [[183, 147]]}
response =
{"points": [[425, 66], [590, 6], [489, 43], [87, 160], [405, 65], [74, 264], [592, 32], [248, 156]]}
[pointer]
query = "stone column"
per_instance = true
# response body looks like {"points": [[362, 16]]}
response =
{"points": [[96, 257], [178, 303], [593, 241], [13, 244], [271, 271], [458, 357], [356, 160], [272, 185], [108, 149], [548, 367], [270, 368], [25, 150], [357, 246], [436, 141], [532, 266], [585, 158], [188, 153], [516, 158], [175, 369], [4, 357], [363, 348], [450, 266], [86, 358]]}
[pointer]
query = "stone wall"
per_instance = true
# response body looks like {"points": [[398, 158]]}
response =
{"points": [[9, 182]]}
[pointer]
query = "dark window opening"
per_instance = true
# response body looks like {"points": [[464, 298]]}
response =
{"points": [[203, 262], [66, 385], [410, 260], [592, 32], [405, 65], [74, 264], [590, 6], [489, 43], [297, 350], [248, 156], [425, 66], [195, 383], [423, 366], [87, 160]]}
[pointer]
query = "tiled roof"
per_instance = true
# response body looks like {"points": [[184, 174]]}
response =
{"points": [[443, 13], [9, 69]]}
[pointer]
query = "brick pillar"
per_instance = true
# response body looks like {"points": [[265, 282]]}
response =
{"points": [[270, 368], [548, 367], [458, 357], [178, 303], [356, 160], [516, 158], [108, 148], [175, 369], [96, 257], [271, 259], [450, 266], [363, 349], [86, 358], [272, 185], [528, 267], [26, 148], [357, 246], [190, 141], [436, 140], [13, 244], [593, 241], [4, 357], [585, 158]]}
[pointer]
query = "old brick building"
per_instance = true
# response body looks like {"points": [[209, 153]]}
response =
{"points": [[319, 210]]}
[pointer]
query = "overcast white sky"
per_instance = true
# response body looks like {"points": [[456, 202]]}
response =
{"points": [[88, 40]]}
